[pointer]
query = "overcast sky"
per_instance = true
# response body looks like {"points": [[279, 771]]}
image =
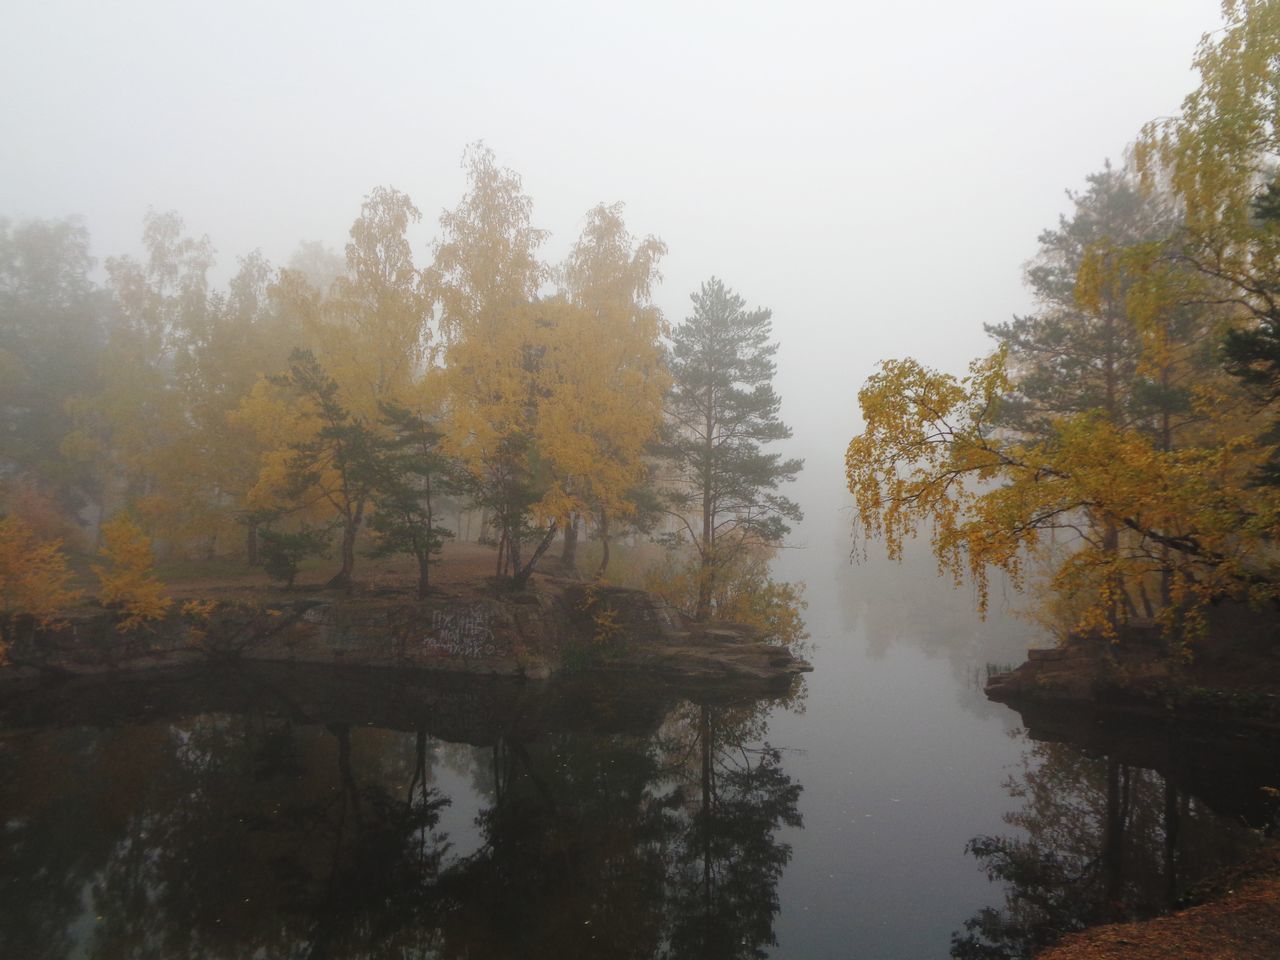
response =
{"points": [[875, 173]]}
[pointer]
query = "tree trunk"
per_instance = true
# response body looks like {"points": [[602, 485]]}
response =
{"points": [[251, 545], [604, 544], [521, 575], [1111, 547], [424, 574], [342, 579], [1166, 444], [569, 551], [706, 548], [703, 609], [513, 548]]}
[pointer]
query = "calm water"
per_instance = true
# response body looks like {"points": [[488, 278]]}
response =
{"points": [[310, 814]]}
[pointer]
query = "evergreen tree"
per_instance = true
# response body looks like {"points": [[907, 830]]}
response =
{"points": [[1074, 354], [412, 475], [721, 409], [283, 552], [336, 464], [1252, 352]]}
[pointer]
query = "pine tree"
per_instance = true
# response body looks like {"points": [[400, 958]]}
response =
{"points": [[721, 410], [336, 464], [412, 476]]}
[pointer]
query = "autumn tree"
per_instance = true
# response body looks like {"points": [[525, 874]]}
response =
{"points": [[931, 455], [486, 276], [127, 583], [316, 426], [35, 583], [1107, 339], [1218, 157], [371, 331], [249, 333], [721, 410], [1146, 442], [606, 408]]}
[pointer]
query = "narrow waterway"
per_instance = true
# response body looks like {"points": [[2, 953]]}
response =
{"points": [[917, 787]]}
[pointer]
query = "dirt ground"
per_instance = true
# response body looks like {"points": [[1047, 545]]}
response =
{"points": [[1241, 921], [460, 568]]}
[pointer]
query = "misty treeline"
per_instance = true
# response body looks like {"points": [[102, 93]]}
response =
{"points": [[345, 405], [1121, 442]]}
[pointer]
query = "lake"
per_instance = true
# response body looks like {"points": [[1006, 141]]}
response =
{"points": [[277, 812]]}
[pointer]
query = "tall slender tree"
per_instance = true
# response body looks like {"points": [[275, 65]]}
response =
{"points": [[411, 477], [606, 407], [721, 410]]}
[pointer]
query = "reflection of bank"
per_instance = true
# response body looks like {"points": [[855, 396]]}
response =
{"points": [[297, 813], [1118, 820]]}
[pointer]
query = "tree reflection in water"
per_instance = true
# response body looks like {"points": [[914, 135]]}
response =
{"points": [[267, 833], [1098, 841]]}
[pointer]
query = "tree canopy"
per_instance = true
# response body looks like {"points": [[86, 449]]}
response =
{"points": [[1123, 434]]}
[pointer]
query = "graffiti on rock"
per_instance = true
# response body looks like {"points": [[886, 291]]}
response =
{"points": [[462, 633]]}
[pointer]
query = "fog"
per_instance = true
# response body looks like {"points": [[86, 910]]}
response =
{"points": [[875, 174]]}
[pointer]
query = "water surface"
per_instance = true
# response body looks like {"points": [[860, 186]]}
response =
{"points": [[275, 812]]}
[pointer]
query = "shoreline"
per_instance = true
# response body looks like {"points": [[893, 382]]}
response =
{"points": [[1200, 724], [1236, 918], [555, 626]]}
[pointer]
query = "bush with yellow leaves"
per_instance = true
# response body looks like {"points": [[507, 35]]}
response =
{"points": [[127, 583], [34, 580]]}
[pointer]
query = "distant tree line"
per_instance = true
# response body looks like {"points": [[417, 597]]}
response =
{"points": [[344, 405]]}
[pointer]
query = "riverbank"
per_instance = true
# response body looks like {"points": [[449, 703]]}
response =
{"points": [[1229, 678], [471, 623], [1237, 918], [1207, 720]]}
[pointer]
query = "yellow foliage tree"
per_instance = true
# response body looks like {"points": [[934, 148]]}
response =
{"points": [[370, 331], [127, 584], [547, 428], [34, 580], [1217, 156], [1170, 470], [931, 455], [370, 337], [485, 279], [605, 403]]}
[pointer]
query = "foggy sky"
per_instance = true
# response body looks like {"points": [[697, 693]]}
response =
{"points": [[876, 174]]}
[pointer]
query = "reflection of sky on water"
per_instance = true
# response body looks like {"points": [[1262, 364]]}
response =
{"points": [[211, 832]]}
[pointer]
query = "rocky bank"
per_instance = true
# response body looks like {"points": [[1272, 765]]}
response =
{"points": [[553, 627]]}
